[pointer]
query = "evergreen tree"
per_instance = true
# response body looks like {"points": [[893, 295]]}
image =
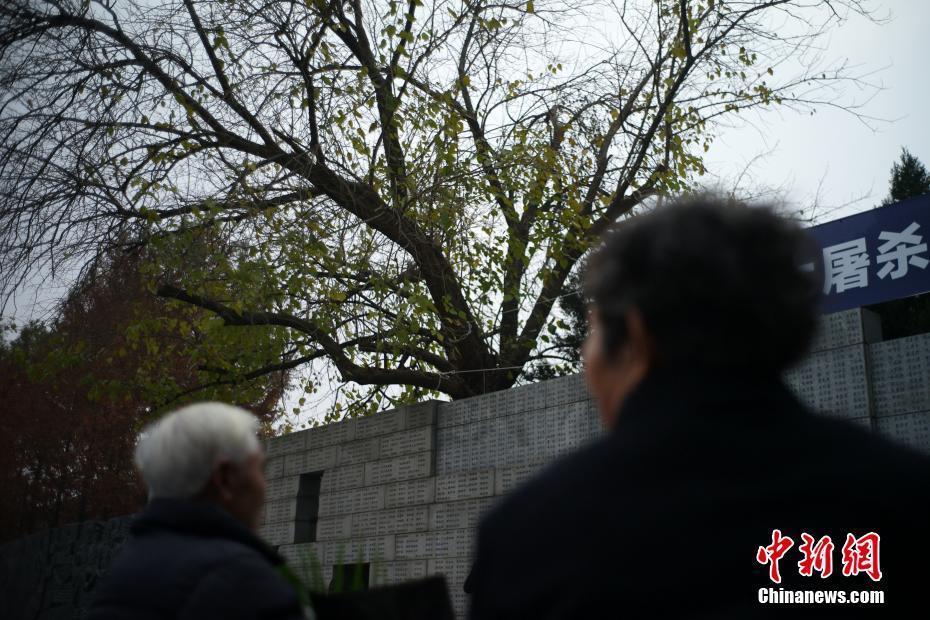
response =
{"points": [[911, 315], [909, 178]]}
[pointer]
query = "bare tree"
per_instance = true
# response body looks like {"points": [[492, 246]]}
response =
{"points": [[410, 183]]}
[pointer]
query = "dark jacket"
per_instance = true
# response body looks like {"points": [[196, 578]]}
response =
{"points": [[666, 513], [192, 559]]}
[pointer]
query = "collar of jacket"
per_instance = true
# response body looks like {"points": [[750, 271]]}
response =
{"points": [[669, 394], [198, 518]]}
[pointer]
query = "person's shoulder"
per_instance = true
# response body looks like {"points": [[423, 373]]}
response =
{"points": [[238, 561], [159, 570], [562, 482], [243, 585], [846, 457], [513, 548], [864, 446], [846, 443], [182, 558], [193, 548]]}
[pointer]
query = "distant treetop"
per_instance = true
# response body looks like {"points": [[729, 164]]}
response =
{"points": [[909, 178]]}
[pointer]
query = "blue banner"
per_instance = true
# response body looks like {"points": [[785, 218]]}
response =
{"points": [[877, 255]]}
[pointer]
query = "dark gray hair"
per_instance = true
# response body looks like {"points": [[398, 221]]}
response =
{"points": [[719, 284]]}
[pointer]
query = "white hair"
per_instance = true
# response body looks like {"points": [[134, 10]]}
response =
{"points": [[177, 453]]}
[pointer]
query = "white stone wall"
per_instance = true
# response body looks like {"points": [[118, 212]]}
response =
{"points": [[404, 490], [883, 386]]}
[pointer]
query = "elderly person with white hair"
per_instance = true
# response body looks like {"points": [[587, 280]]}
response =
{"points": [[194, 552]]}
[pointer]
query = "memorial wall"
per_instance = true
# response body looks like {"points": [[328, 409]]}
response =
{"points": [[402, 491]]}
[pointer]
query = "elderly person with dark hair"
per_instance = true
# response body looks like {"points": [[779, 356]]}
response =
{"points": [[193, 552], [696, 310]]}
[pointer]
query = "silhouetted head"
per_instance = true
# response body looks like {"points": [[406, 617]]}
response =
{"points": [[701, 283]]}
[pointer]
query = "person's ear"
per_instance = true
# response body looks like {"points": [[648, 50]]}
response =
{"points": [[639, 347], [223, 479]]}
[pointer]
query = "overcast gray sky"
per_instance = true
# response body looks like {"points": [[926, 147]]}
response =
{"points": [[832, 153]]}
